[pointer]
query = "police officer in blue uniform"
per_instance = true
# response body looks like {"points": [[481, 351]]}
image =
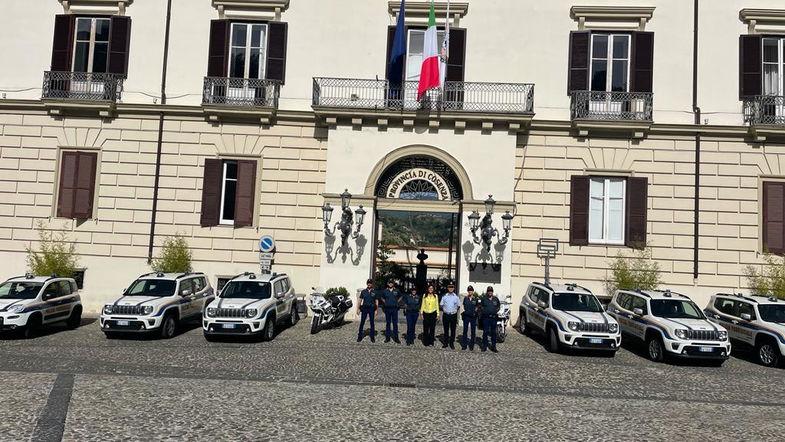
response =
{"points": [[490, 308], [471, 307], [413, 301], [367, 307], [391, 300]]}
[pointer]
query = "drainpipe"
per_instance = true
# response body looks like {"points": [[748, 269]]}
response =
{"points": [[160, 133], [697, 112]]}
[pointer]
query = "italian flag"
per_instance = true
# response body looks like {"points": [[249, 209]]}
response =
{"points": [[429, 74]]}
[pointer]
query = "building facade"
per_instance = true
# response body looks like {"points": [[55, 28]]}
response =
{"points": [[606, 125]]}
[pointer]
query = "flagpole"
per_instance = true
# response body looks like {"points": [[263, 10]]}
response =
{"points": [[446, 50]]}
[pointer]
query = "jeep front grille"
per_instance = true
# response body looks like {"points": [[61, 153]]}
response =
{"points": [[229, 313], [126, 310], [703, 335], [593, 327]]}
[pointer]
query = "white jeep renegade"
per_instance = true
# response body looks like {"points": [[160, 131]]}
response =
{"points": [[29, 302], [570, 316], [251, 304], [753, 322], [670, 324], [157, 302]]}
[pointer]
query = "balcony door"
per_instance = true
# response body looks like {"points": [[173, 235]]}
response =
{"points": [[247, 61], [414, 59], [774, 78], [91, 55], [610, 73]]}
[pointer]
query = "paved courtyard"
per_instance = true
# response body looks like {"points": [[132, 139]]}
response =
{"points": [[77, 385]]}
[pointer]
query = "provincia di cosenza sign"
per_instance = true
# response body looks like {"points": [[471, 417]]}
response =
{"points": [[399, 182]]}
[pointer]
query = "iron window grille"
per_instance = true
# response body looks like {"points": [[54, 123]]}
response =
{"points": [[241, 92], [87, 86], [600, 105], [764, 109]]}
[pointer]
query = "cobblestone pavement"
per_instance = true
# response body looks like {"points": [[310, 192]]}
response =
{"points": [[327, 387]]}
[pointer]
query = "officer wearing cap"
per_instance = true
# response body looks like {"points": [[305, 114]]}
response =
{"points": [[450, 304], [412, 300], [391, 300], [471, 307], [367, 306], [490, 308]]}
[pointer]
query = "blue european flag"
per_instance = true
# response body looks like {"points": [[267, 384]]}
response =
{"points": [[398, 52]]}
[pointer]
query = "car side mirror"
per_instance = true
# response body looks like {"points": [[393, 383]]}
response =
{"points": [[543, 304], [637, 311], [279, 295], [186, 293], [746, 316]]}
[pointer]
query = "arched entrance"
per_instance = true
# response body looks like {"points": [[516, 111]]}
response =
{"points": [[417, 231]]}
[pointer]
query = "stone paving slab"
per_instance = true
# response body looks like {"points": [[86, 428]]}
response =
{"points": [[22, 398]]}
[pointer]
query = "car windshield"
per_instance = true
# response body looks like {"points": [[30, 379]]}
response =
{"points": [[246, 289], [772, 313], [20, 289], [151, 287], [675, 308], [576, 302]]}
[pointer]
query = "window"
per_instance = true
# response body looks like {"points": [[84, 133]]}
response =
{"points": [[198, 284], [51, 291], [414, 52], [186, 285], [773, 217], [220, 283], [624, 301], [773, 66], [727, 306], [610, 62], [91, 44], [65, 288], [247, 50], [545, 297], [228, 192], [77, 184], [247, 54], [535, 295], [606, 210], [745, 307], [278, 287], [638, 302]]}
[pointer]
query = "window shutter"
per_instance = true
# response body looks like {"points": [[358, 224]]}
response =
{"points": [[65, 194], [62, 44], [456, 62], [578, 76], [750, 65], [211, 192], [579, 210], [217, 59], [244, 198], [276, 51], [642, 68], [637, 205], [390, 40], [119, 43], [774, 218], [77, 185]]}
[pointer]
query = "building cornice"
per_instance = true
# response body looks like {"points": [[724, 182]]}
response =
{"points": [[612, 17], [115, 7], [417, 12], [251, 8], [763, 20]]}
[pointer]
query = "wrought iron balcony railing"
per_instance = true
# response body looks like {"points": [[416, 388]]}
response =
{"points": [[457, 96], [241, 92], [85, 86], [764, 109], [624, 106]]}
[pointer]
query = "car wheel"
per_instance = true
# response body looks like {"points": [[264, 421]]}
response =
{"points": [[75, 319], [768, 354], [269, 329], [33, 327], [294, 316], [655, 349], [553, 340], [168, 327], [522, 325]]}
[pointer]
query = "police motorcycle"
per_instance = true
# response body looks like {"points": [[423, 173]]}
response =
{"points": [[327, 310], [503, 318]]}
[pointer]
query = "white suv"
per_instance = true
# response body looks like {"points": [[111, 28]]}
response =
{"points": [[670, 324], [754, 322], [570, 316], [29, 302], [251, 304], [157, 302]]}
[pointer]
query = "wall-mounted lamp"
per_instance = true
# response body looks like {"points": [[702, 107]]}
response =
{"points": [[346, 222], [487, 231]]}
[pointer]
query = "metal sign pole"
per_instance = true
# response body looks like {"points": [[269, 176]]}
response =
{"points": [[547, 248]]}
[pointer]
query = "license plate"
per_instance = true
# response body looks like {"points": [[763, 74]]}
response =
{"points": [[229, 326], [123, 323], [595, 341], [707, 349]]}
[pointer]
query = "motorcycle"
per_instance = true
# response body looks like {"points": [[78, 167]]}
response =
{"points": [[503, 318], [328, 310]]}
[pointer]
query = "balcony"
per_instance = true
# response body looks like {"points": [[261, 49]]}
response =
{"points": [[225, 97], [611, 111], [460, 101], [81, 90]]}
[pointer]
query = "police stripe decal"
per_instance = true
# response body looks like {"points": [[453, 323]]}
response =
{"points": [[762, 328]]}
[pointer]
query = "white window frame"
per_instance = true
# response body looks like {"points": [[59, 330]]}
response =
{"points": [[440, 33], [248, 48], [91, 42], [224, 179], [606, 210], [609, 60], [780, 65]]}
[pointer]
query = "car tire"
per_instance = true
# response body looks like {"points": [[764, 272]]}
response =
{"points": [[655, 350], [767, 353], [553, 340], [522, 324], [293, 316], [268, 333], [33, 326], [75, 320], [168, 327]]}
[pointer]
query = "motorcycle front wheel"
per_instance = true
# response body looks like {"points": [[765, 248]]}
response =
{"points": [[500, 333], [315, 323]]}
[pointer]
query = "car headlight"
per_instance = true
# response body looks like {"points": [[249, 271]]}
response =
{"points": [[613, 328], [723, 335], [108, 309], [147, 309], [210, 312], [17, 309], [572, 325], [681, 333], [250, 313]]}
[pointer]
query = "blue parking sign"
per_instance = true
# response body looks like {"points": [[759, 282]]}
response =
{"points": [[267, 243]]}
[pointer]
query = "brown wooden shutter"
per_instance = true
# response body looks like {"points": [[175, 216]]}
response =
{"points": [[63, 42], [456, 62], [750, 65], [642, 69], [579, 210], [244, 198], [774, 218], [119, 44], [65, 195], [276, 51], [218, 49], [77, 185], [578, 76], [211, 192], [390, 40], [637, 205]]}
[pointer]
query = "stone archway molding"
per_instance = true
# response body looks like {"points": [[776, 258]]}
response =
{"points": [[418, 149]]}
